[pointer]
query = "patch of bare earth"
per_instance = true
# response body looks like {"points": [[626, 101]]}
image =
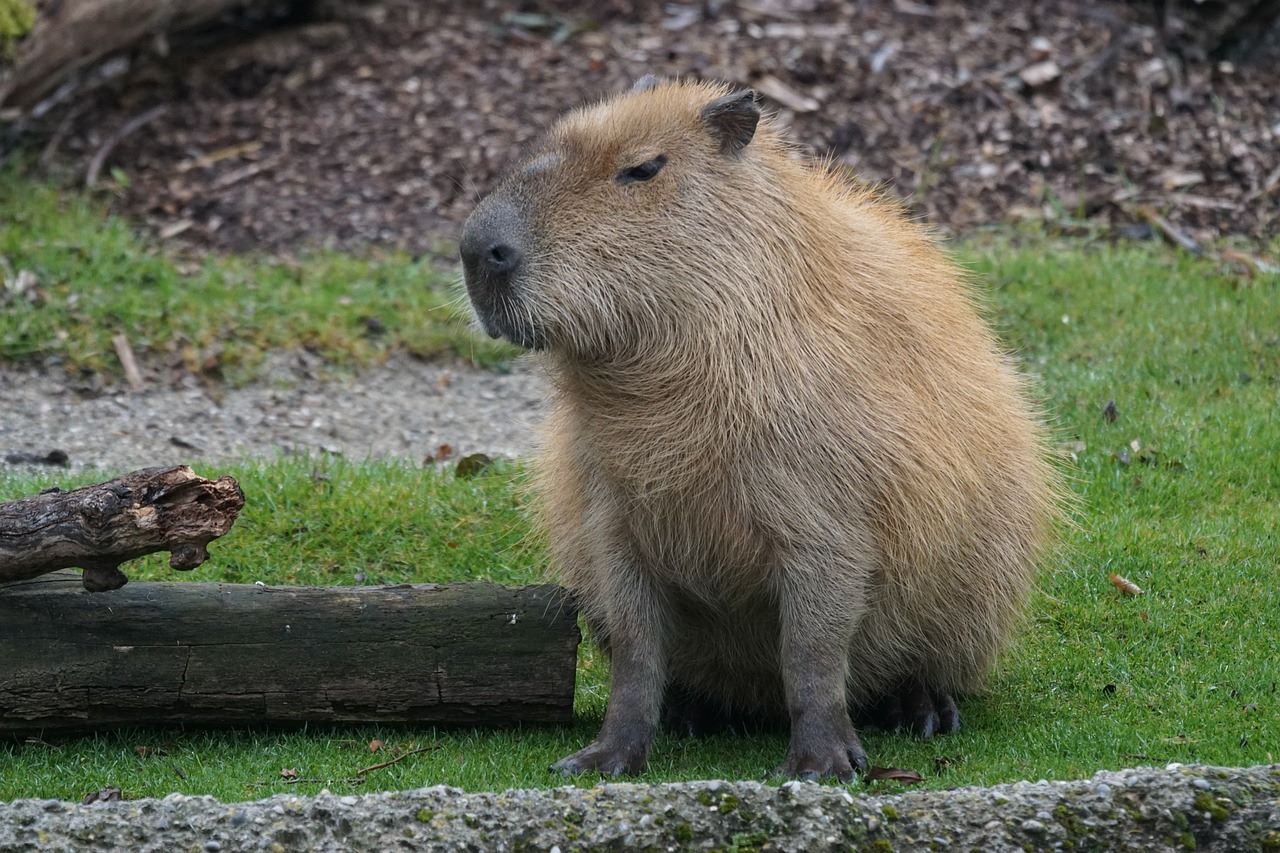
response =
{"points": [[382, 123], [404, 409]]}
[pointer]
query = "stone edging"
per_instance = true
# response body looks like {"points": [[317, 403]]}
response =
{"points": [[1175, 808]]}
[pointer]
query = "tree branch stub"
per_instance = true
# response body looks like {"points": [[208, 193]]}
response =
{"points": [[97, 528]]}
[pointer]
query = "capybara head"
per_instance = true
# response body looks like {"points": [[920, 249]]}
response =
{"points": [[635, 220]]}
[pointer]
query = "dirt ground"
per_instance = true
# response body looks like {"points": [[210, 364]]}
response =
{"points": [[377, 124], [404, 409], [380, 122]]}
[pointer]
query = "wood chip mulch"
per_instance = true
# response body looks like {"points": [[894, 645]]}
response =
{"points": [[381, 124]]}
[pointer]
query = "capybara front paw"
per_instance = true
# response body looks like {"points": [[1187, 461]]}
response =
{"points": [[814, 760], [602, 757]]}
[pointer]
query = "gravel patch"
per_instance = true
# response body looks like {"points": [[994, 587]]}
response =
{"points": [[1176, 808], [403, 409]]}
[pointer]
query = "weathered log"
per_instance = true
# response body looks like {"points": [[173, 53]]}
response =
{"points": [[69, 35], [232, 654], [97, 528], [1203, 30]]}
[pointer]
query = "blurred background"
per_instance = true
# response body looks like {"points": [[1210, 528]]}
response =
{"points": [[340, 123]]}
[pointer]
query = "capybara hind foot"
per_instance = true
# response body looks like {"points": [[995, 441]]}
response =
{"points": [[913, 707]]}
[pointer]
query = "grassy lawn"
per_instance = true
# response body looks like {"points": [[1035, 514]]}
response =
{"points": [[1179, 492], [95, 279]]}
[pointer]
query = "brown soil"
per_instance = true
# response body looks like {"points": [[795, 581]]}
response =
{"points": [[381, 124]]}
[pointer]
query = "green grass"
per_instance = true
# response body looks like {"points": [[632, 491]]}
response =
{"points": [[1188, 672], [217, 315]]}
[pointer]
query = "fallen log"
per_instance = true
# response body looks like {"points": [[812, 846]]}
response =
{"points": [[235, 654], [52, 39], [96, 528]]}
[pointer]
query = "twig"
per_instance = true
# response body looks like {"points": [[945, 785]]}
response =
{"points": [[226, 153], [1272, 181], [130, 364], [919, 10], [401, 757], [357, 779], [1170, 231], [772, 87], [131, 126], [64, 127], [235, 176]]}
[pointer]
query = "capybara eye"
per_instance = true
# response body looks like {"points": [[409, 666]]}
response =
{"points": [[643, 172]]}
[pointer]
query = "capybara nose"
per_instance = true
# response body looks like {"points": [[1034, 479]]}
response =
{"points": [[500, 258], [489, 248]]}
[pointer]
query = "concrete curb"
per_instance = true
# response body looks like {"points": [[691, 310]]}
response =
{"points": [[1175, 808]]}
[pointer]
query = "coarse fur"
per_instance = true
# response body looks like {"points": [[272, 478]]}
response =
{"points": [[780, 424]]}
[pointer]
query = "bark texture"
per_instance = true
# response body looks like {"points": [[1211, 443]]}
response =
{"points": [[97, 528], [235, 654], [71, 34], [1177, 808]]}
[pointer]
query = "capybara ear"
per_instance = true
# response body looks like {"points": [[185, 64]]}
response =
{"points": [[732, 120], [645, 83]]}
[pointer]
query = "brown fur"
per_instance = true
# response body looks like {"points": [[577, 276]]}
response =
{"points": [[780, 424]]}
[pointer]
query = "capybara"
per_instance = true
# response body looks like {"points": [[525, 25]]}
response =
{"points": [[789, 472]]}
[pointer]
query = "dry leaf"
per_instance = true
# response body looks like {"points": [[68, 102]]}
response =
{"points": [[1125, 585], [1173, 179], [1250, 263], [109, 794], [893, 774], [1040, 73], [1040, 49], [289, 773], [173, 229], [1109, 413], [443, 452], [475, 463], [375, 745]]}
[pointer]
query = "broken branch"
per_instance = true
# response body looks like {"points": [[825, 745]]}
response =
{"points": [[96, 528]]}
